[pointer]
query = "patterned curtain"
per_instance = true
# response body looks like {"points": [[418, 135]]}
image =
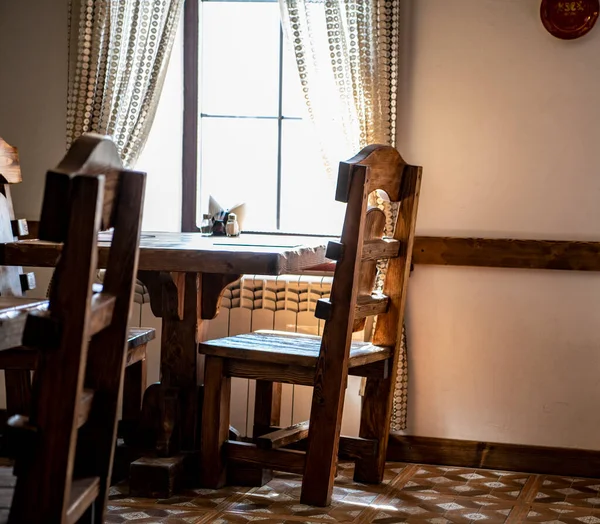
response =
{"points": [[118, 55], [347, 58]]}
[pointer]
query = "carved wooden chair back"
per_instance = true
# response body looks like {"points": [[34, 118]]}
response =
{"points": [[81, 339], [363, 243]]}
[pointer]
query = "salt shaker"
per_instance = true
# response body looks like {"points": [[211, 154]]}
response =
{"points": [[232, 228]]}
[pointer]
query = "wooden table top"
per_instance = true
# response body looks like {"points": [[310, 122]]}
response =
{"points": [[192, 252]]}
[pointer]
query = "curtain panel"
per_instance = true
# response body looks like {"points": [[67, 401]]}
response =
{"points": [[118, 56], [347, 58]]}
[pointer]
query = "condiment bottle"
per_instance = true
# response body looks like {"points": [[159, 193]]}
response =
{"points": [[206, 225], [232, 228]]}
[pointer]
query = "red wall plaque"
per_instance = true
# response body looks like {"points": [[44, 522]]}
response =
{"points": [[569, 19]]}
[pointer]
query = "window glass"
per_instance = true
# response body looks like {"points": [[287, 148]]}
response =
{"points": [[239, 72], [239, 164]]}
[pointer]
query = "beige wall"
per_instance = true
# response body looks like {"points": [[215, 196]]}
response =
{"points": [[33, 91], [505, 120]]}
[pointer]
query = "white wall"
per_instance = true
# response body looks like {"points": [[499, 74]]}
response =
{"points": [[505, 120]]}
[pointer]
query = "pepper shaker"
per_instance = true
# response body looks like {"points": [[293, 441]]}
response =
{"points": [[206, 225]]}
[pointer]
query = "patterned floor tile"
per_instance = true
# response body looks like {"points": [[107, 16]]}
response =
{"points": [[464, 482], [205, 498], [422, 507], [241, 518], [281, 497], [120, 493], [568, 491], [190, 498], [345, 474], [119, 514], [410, 493], [448, 512], [562, 514]]}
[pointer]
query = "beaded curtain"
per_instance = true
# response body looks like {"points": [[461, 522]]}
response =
{"points": [[347, 59], [118, 55]]}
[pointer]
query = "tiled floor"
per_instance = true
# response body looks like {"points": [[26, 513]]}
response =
{"points": [[410, 493]]}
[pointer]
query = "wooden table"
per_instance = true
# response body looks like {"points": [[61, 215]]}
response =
{"points": [[185, 274]]}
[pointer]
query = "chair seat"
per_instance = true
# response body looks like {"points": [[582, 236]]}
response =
{"points": [[12, 323], [281, 347], [137, 338]]}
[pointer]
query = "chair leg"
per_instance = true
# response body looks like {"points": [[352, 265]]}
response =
{"points": [[323, 445], [215, 415], [18, 391], [96, 439], [375, 424], [89, 516], [267, 413], [134, 386], [267, 407]]}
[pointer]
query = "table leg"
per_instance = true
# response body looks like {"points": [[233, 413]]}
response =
{"points": [[171, 408]]}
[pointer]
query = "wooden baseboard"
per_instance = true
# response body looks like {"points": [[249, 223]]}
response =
{"points": [[488, 455]]}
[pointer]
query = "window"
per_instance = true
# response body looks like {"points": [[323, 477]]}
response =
{"points": [[247, 139]]}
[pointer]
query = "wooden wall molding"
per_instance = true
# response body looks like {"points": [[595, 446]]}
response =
{"points": [[487, 455], [507, 253]]}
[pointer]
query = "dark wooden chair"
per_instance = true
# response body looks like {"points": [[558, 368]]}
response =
{"points": [[18, 365], [14, 283], [64, 449], [274, 357]]}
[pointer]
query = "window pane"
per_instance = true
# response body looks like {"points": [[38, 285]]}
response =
{"points": [[307, 197], [239, 58], [239, 165]]}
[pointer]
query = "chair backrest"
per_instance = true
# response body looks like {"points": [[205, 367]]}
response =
{"points": [[82, 338], [362, 245]]}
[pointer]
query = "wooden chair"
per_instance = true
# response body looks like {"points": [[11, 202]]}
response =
{"points": [[17, 366], [64, 449], [13, 282], [273, 357]]}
